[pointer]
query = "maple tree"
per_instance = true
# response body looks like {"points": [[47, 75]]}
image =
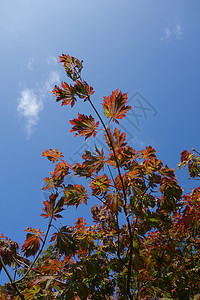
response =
{"points": [[144, 241]]}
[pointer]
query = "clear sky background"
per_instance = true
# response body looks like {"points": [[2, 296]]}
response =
{"points": [[149, 49]]}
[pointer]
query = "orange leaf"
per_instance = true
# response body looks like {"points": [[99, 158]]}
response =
{"points": [[84, 125], [32, 243], [115, 106], [52, 155]]}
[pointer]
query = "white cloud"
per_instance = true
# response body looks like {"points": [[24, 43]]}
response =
{"points": [[31, 101], [54, 78], [52, 60], [168, 33], [30, 63], [29, 107], [178, 32]]}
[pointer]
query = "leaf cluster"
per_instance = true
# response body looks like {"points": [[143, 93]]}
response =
{"points": [[143, 242]]}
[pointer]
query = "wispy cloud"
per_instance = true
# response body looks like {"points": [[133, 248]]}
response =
{"points": [[31, 102], [178, 32], [54, 78], [166, 35], [168, 32], [52, 60], [29, 107], [30, 63]]}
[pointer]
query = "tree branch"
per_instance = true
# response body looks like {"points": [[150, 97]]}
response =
{"points": [[129, 296], [31, 266], [11, 280]]}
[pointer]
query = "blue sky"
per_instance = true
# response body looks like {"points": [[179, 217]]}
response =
{"points": [[149, 49]]}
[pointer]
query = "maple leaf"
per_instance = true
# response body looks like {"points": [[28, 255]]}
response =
{"points": [[31, 293], [123, 154], [49, 183], [100, 184], [75, 195], [196, 194], [8, 251], [66, 94], [114, 201], [117, 138], [51, 209], [185, 155], [89, 89], [172, 192], [69, 93], [94, 161], [83, 90], [72, 65], [32, 243], [57, 176], [115, 106], [193, 163], [148, 153], [84, 125], [80, 223], [61, 169], [65, 240], [118, 183], [81, 171], [52, 155]]}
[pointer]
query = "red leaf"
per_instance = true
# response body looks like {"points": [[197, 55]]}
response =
{"points": [[66, 94], [75, 195], [100, 185], [118, 139], [83, 90], [51, 209], [52, 155], [80, 223], [84, 125], [185, 155], [115, 106], [73, 66], [93, 162], [32, 243], [64, 240]]}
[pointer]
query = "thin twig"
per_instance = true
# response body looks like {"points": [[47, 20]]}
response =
{"points": [[129, 296], [118, 233], [11, 280], [196, 151], [33, 263]]}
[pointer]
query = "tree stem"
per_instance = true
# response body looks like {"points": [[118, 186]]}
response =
{"points": [[11, 280], [124, 205]]}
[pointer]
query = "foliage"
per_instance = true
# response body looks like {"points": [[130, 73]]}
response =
{"points": [[144, 241]]}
